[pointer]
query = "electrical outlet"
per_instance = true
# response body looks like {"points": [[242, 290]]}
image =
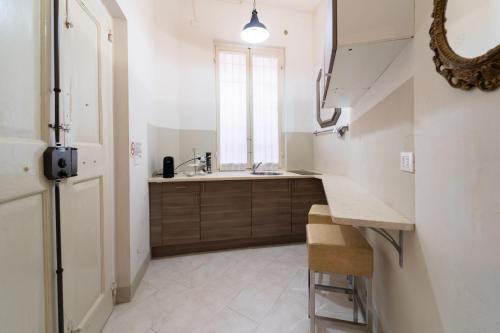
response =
{"points": [[406, 162]]}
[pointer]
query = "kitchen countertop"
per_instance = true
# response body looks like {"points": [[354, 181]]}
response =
{"points": [[227, 175], [349, 202]]}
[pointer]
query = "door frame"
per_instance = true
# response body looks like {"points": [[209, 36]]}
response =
{"points": [[121, 142], [119, 108]]}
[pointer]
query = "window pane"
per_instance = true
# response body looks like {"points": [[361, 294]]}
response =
{"points": [[265, 111], [233, 110]]}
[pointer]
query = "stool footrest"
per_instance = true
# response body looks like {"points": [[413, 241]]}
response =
{"points": [[334, 289], [340, 321]]}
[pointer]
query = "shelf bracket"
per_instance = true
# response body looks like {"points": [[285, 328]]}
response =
{"points": [[398, 245]]}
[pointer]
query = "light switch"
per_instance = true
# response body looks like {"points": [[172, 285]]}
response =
{"points": [[406, 162]]}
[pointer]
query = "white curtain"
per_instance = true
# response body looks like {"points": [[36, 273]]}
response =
{"points": [[233, 110], [266, 138]]}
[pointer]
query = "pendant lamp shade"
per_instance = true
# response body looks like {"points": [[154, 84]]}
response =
{"points": [[254, 32]]}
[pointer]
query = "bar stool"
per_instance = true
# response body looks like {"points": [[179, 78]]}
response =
{"points": [[342, 250], [319, 214]]}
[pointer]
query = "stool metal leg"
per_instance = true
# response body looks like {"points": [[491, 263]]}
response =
{"points": [[369, 313], [309, 288], [355, 299], [350, 279], [312, 302]]}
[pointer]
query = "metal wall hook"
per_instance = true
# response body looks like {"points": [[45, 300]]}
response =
{"points": [[339, 131]]}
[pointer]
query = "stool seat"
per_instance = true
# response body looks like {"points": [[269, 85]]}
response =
{"points": [[339, 249], [319, 214]]}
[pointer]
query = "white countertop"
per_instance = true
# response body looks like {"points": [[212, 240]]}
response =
{"points": [[226, 175], [349, 202]]}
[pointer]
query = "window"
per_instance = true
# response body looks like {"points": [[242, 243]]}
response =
{"points": [[249, 102]]}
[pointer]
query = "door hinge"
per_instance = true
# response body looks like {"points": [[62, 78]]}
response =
{"points": [[110, 36], [63, 127], [73, 330]]}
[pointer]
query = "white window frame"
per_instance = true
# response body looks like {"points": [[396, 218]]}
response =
{"points": [[279, 53]]}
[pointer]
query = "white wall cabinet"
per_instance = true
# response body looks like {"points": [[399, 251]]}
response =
{"points": [[362, 39]]}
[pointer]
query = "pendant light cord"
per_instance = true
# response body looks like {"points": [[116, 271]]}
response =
{"points": [[254, 5]]}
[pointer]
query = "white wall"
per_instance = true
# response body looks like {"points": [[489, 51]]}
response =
{"points": [[191, 74], [153, 98], [223, 21], [451, 260]]}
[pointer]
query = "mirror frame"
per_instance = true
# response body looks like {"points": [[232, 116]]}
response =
{"points": [[482, 72]]}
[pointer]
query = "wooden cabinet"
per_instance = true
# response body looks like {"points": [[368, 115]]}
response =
{"points": [[362, 38], [305, 193], [211, 215], [155, 214], [226, 210], [271, 208], [180, 213]]}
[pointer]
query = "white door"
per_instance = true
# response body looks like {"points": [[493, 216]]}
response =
{"points": [[26, 268], [87, 200]]}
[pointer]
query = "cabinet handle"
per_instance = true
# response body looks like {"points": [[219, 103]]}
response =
{"points": [[180, 187]]}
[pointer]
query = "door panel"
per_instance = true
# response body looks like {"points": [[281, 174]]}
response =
{"points": [[305, 193], [155, 214], [271, 208], [25, 225], [86, 200], [21, 44], [22, 294], [84, 82], [82, 225], [180, 215], [226, 210]]}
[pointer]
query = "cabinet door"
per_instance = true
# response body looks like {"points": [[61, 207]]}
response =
{"points": [[271, 208], [155, 214], [226, 210], [180, 213], [305, 193]]}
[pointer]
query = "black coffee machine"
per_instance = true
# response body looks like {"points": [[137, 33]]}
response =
{"points": [[168, 167]]}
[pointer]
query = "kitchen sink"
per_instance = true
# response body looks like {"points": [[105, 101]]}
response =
{"points": [[266, 173]]}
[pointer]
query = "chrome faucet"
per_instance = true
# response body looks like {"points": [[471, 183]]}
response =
{"points": [[255, 166]]}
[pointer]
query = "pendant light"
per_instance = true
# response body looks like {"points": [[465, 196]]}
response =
{"points": [[254, 32]]}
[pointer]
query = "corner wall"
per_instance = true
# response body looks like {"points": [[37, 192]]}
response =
{"points": [[152, 99], [451, 259]]}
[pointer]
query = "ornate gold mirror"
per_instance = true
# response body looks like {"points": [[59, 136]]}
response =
{"points": [[465, 38]]}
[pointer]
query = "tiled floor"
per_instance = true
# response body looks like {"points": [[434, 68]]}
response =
{"points": [[249, 290]]}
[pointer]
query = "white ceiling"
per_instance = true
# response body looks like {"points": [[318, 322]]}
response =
{"points": [[302, 5]]}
